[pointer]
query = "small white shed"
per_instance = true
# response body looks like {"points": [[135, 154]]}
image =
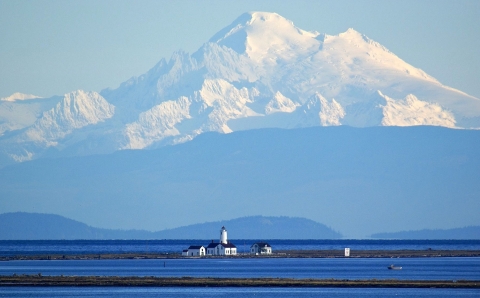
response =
{"points": [[195, 251], [262, 248]]}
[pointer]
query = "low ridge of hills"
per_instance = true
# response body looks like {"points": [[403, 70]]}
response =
{"points": [[256, 227], [37, 226], [471, 232]]}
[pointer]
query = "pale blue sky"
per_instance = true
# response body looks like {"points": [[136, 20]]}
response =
{"points": [[53, 47]]}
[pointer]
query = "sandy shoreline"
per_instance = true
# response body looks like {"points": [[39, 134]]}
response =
{"points": [[135, 281], [277, 254]]}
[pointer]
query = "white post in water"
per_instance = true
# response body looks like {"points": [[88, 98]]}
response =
{"points": [[347, 251]]}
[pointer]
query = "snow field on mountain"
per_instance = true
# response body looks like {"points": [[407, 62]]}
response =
{"points": [[76, 110], [260, 71], [411, 111], [156, 123], [19, 96]]}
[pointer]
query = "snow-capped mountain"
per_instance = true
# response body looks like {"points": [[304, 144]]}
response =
{"points": [[19, 96], [68, 116], [260, 71], [19, 110]]}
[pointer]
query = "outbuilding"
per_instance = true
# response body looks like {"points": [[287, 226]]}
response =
{"points": [[195, 251], [262, 248]]}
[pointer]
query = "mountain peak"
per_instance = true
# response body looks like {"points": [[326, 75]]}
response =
{"points": [[353, 34], [264, 36], [260, 71], [270, 17]]}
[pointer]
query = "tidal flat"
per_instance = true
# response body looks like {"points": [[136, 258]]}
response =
{"points": [[136, 281], [277, 254]]}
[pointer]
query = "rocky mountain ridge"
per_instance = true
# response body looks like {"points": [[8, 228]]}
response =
{"points": [[259, 72]]}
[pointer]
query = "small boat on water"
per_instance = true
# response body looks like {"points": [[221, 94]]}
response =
{"points": [[393, 267]]}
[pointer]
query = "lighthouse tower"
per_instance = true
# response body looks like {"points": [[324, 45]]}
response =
{"points": [[223, 235]]}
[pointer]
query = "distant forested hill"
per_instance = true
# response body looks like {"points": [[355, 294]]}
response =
{"points": [[472, 232], [255, 227], [36, 226]]}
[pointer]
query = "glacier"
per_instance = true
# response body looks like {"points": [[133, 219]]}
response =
{"points": [[261, 71]]}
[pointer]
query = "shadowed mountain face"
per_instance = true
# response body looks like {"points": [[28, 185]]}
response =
{"points": [[36, 226], [357, 181]]}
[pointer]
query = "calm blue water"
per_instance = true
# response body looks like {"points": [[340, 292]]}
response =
{"points": [[340, 268], [120, 292], [32, 247]]}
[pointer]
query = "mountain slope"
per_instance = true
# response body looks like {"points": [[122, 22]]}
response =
{"points": [[16, 114], [261, 71], [73, 112], [352, 179]]}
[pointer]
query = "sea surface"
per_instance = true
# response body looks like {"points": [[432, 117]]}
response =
{"points": [[70, 247], [338, 268], [121, 292]]}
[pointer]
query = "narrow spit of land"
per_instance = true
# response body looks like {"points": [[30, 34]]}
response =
{"points": [[277, 254], [135, 281]]}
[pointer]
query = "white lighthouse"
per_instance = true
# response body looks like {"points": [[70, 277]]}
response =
{"points": [[223, 235], [222, 248]]}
